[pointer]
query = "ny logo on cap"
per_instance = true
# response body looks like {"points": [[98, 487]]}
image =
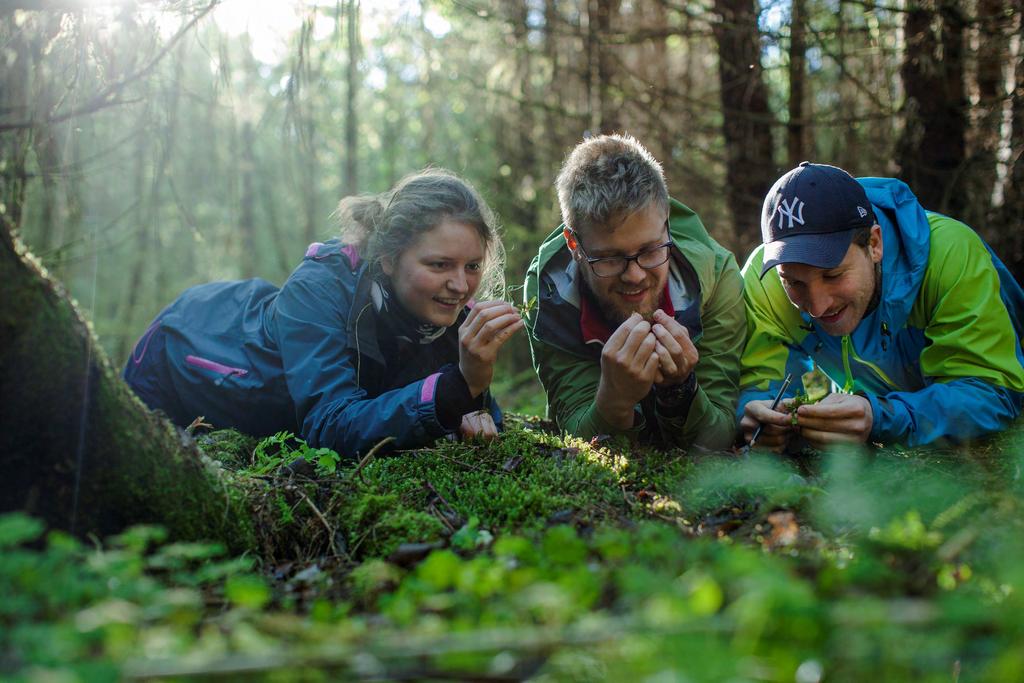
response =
{"points": [[793, 210]]}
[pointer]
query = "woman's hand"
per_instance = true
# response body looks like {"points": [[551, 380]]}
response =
{"points": [[478, 425], [487, 327]]}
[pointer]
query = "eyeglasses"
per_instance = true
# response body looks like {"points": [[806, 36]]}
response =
{"points": [[613, 266]]}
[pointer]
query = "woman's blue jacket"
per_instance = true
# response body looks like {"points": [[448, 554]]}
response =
{"points": [[306, 358]]}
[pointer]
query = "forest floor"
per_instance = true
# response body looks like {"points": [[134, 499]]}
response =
{"points": [[548, 558]]}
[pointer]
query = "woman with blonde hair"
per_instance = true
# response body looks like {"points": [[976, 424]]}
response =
{"points": [[373, 335]]}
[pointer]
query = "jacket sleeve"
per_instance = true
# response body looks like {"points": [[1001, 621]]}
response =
{"points": [[972, 363], [768, 356], [710, 422], [322, 374], [570, 381], [571, 385]]}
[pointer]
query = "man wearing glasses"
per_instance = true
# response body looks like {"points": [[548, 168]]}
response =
{"points": [[639, 322]]}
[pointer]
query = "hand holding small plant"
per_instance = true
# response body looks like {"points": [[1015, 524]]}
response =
{"points": [[486, 329], [817, 386], [827, 418]]}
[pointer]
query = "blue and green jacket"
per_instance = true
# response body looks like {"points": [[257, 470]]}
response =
{"points": [[319, 357], [940, 357]]}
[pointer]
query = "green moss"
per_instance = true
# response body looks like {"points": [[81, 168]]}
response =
{"points": [[524, 480], [228, 446], [380, 523], [284, 509], [373, 577]]}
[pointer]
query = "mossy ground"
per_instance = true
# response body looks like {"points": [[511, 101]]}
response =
{"points": [[548, 558], [526, 481]]}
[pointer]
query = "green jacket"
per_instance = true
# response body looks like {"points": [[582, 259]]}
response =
{"points": [[941, 355], [707, 293]]}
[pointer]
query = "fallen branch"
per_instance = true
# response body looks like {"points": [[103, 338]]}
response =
{"points": [[358, 471], [330, 529]]}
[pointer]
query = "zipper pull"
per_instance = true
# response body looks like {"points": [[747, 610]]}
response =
{"points": [[848, 384], [885, 336]]}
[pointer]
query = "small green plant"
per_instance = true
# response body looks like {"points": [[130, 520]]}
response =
{"points": [[284, 448], [817, 386], [524, 307]]}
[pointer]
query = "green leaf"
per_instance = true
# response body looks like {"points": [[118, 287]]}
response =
{"points": [[563, 547], [246, 590], [439, 569], [326, 461], [17, 528]]}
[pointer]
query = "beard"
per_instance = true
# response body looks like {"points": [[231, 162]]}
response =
{"points": [[614, 309]]}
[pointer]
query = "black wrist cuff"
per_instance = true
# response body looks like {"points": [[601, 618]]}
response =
{"points": [[674, 401], [453, 399]]}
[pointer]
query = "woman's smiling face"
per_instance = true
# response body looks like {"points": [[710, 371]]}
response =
{"points": [[437, 275]]}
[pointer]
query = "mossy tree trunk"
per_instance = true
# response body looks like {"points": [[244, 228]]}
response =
{"points": [[77, 448]]}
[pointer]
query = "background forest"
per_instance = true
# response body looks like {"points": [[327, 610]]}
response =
{"points": [[148, 146]]}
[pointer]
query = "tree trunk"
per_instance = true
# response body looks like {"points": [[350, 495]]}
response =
{"points": [[351, 122], [1010, 245], [553, 130], [428, 122], [522, 150], [247, 199], [53, 217], [931, 151], [15, 144], [78, 448], [746, 119], [608, 101], [990, 84], [796, 127]]}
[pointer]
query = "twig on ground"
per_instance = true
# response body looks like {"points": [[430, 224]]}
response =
{"points": [[358, 472], [330, 529]]}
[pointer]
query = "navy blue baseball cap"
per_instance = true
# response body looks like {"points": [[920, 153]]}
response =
{"points": [[811, 215]]}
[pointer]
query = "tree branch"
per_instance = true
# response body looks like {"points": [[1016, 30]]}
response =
{"points": [[103, 99]]}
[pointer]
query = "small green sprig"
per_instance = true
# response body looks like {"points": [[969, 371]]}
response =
{"points": [[817, 386], [524, 307]]}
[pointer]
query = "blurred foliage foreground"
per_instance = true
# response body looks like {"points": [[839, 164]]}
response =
{"points": [[549, 559]]}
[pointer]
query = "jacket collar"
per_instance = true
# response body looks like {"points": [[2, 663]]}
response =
{"points": [[906, 244], [364, 320]]}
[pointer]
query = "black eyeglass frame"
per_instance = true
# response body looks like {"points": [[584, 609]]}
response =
{"points": [[625, 259]]}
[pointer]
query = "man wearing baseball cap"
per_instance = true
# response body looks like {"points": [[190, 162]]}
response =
{"points": [[910, 314]]}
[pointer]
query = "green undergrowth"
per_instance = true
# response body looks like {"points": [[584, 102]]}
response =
{"points": [[544, 558]]}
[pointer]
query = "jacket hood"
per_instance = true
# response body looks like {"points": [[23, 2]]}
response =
{"points": [[342, 265], [906, 242]]}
